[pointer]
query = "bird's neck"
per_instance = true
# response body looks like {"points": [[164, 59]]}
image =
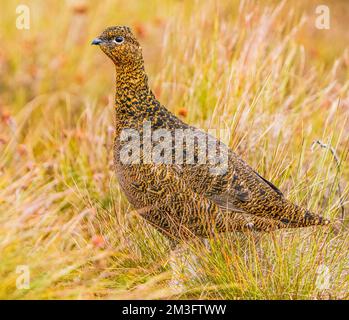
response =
{"points": [[132, 94], [131, 81]]}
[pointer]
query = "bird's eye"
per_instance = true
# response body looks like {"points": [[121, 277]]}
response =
{"points": [[119, 39]]}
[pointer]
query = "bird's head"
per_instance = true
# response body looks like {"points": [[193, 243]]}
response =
{"points": [[120, 45]]}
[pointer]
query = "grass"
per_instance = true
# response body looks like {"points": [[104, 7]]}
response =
{"points": [[259, 69]]}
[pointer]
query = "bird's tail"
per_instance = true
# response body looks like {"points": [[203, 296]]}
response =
{"points": [[295, 216]]}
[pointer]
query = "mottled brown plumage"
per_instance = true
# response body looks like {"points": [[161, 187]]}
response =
{"points": [[186, 199]]}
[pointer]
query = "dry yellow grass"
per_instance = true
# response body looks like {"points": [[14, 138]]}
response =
{"points": [[259, 68]]}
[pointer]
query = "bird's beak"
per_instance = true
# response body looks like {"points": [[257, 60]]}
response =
{"points": [[96, 41]]}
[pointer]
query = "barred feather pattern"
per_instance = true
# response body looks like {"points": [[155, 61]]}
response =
{"points": [[186, 200]]}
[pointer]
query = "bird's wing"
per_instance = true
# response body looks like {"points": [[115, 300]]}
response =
{"points": [[237, 182], [235, 186], [238, 187], [234, 195], [269, 183]]}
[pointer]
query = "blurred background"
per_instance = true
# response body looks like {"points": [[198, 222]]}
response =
{"points": [[262, 69], [55, 53]]}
